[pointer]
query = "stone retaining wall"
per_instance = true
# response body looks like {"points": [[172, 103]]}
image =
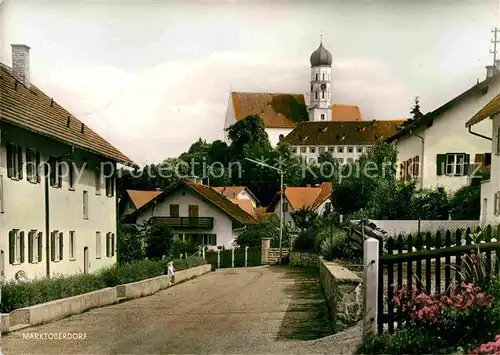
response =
{"points": [[342, 292], [274, 255], [303, 259]]}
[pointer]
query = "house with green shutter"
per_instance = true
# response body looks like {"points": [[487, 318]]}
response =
{"points": [[438, 150]]}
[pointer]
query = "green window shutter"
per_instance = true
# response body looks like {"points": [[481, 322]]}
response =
{"points": [[113, 245], [61, 246], [31, 236], [440, 164], [37, 170], [20, 158], [12, 243], [107, 245], [22, 247], [40, 246], [52, 246], [10, 160], [467, 164]]}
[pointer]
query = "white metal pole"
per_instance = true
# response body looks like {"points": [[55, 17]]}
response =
{"points": [[232, 257], [246, 256], [281, 212]]}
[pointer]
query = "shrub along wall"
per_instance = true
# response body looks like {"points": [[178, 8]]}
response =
{"points": [[24, 294]]}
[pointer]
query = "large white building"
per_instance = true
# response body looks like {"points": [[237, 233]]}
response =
{"points": [[438, 150], [282, 112], [57, 188]]}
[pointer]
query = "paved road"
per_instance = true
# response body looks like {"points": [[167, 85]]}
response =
{"points": [[241, 310]]}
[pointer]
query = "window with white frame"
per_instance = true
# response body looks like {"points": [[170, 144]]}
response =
{"points": [[56, 246], [321, 150], [350, 149], [331, 149], [302, 149], [455, 164], [210, 239], [34, 247], [110, 245], [16, 247], [72, 245], [323, 116], [340, 149], [85, 205], [312, 149], [71, 175], [496, 204], [55, 172], [360, 149], [98, 245]]}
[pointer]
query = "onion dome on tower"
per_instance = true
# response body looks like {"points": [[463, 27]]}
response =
{"points": [[321, 56]]}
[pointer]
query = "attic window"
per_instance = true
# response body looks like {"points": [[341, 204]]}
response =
{"points": [[322, 129], [303, 138], [15, 85], [52, 102], [68, 121], [83, 127], [363, 129]]}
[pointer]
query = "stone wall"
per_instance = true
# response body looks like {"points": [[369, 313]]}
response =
{"points": [[303, 259], [342, 290], [274, 255]]}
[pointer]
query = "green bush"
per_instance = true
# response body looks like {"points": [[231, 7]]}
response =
{"points": [[335, 245], [28, 293], [130, 243]]}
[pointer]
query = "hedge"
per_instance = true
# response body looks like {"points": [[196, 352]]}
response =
{"points": [[17, 294]]}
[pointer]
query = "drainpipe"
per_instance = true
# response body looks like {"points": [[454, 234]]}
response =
{"points": [[422, 159], [47, 223], [478, 135]]}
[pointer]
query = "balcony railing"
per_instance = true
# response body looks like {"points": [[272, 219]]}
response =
{"points": [[186, 222]]}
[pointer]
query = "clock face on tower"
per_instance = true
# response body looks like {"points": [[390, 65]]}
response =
{"points": [[323, 86]]}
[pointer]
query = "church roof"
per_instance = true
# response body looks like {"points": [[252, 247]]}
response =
{"points": [[346, 113], [342, 133], [321, 56], [277, 110]]}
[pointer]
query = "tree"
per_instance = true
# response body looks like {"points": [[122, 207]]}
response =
{"points": [[466, 203], [415, 110], [159, 239], [269, 227], [130, 243]]}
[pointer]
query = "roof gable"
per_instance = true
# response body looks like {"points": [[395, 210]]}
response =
{"points": [[342, 133], [140, 197], [274, 109], [33, 110], [490, 109]]}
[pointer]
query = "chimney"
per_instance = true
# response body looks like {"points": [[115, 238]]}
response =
{"points": [[489, 71], [21, 63]]}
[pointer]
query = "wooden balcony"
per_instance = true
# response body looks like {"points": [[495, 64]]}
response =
{"points": [[186, 222]]}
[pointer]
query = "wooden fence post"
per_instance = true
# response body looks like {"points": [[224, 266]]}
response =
{"points": [[232, 257], [218, 259], [246, 256], [370, 285]]}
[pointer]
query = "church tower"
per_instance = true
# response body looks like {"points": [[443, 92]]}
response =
{"points": [[320, 106]]}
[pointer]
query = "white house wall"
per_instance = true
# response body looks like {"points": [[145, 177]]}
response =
{"points": [[490, 187], [312, 152], [24, 209], [223, 225], [449, 135], [229, 120], [274, 134]]}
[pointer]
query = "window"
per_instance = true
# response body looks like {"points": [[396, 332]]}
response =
{"points": [[16, 246], [34, 246], [71, 245], [14, 161], [56, 246], [322, 94], [85, 205], [110, 181], [302, 149], [97, 245], [323, 76], [316, 95], [316, 76], [294, 149], [497, 150], [340, 149], [110, 245], [174, 210], [98, 177], [32, 165], [312, 149], [55, 172], [331, 149], [210, 239], [350, 149], [323, 116], [360, 149], [193, 211], [321, 150], [455, 164], [341, 160], [71, 175], [496, 206]]}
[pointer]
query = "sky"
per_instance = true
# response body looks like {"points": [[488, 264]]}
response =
{"points": [[154, 76]]}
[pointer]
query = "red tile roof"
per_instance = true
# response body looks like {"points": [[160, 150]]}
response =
{"points": [[308, 197], [346, 113], [33, 110], [275, 110], [140, 197]]}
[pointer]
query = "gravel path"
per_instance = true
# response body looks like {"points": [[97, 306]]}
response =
{"points": [[240, 310]]}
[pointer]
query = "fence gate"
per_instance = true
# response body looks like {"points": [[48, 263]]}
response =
{"points": [[234, 257], [431, 262]]}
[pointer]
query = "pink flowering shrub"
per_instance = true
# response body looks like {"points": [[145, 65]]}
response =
{"points": [[491, 347], [428, 309]]}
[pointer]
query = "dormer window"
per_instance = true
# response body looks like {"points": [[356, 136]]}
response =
{"points": [[323, 116]]}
